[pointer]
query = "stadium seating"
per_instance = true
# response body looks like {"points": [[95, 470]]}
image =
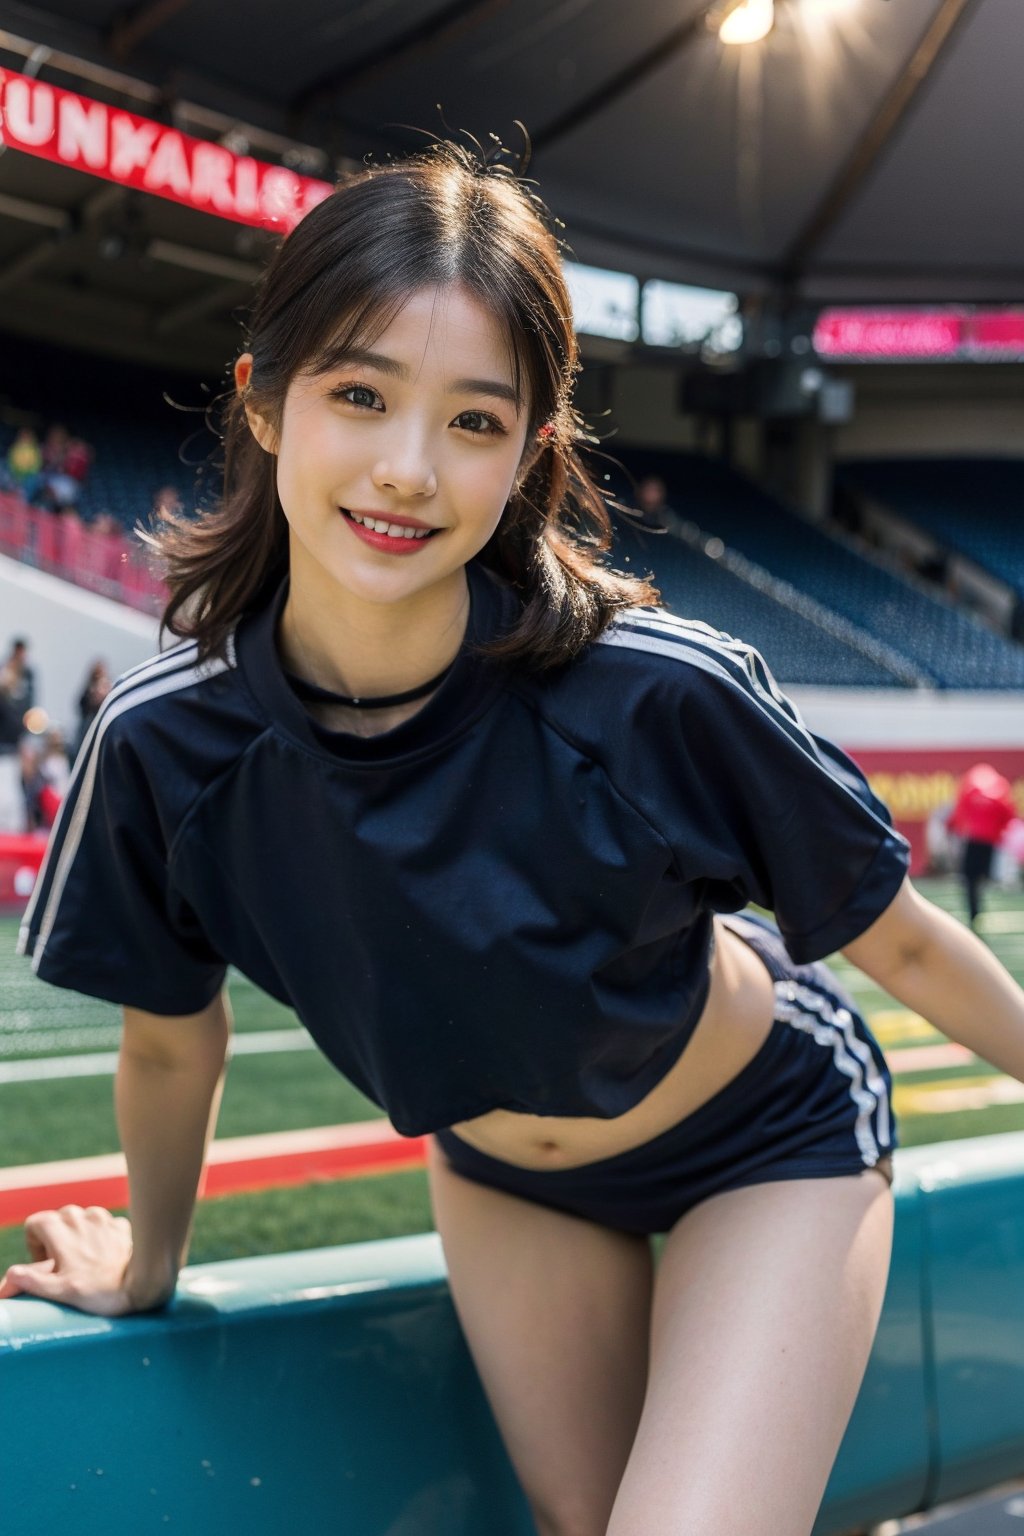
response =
{"points": [[953, 649], [695, 585], [941, 644], [972, 506]]}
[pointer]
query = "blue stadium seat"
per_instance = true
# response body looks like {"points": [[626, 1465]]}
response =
{"points": [[694, 586], [973, 506], [954, 649]]}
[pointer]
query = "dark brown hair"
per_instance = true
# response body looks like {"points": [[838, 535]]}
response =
{"points": [[442, 216]]}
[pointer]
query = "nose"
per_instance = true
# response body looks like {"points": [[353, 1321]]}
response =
{"points": [[406, 467]]}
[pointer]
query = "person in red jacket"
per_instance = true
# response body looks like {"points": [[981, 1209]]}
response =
{"points": [[984, 807]]}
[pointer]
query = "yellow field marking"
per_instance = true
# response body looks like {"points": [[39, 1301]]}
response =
{"points": [[893, 1026], [945, 1098]]}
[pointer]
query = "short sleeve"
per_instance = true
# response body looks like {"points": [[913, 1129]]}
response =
{"points": [[104, 917], [787, 820]]}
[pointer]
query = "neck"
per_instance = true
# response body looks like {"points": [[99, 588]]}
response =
{"points": [[367, 649]]}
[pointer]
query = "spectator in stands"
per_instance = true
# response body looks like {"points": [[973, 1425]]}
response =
{"points": [[655, 513], [17, 694], [78, 459], [54, 773], [983, 810], [32, 786], [60, 492], [97, 686], [55, 447], [24, 462], [45, 773], [18, 678], [58, 488]]}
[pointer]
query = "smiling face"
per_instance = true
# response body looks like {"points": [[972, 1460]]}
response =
{"points": [[421, 425]]}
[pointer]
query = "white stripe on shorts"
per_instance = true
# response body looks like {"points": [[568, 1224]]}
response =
{"points": [[808, 1011]]}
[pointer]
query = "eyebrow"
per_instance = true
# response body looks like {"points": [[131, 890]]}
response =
{"points": [[390, 365]]}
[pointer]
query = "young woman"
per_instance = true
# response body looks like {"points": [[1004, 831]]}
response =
{"points": [[426, 768]]}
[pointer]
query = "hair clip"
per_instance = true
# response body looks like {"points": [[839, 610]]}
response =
{"points": [[546, 431]]}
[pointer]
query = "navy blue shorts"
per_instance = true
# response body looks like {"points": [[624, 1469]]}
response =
{"points": [[814, 1102]]}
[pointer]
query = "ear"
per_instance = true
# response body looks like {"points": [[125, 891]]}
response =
{"points": [[261, 430]]}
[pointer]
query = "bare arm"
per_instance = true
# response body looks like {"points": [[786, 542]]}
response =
{"points": [[935, 965], [167, 1094]]}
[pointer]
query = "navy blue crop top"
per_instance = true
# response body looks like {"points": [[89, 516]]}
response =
{"points": [[505, 902]]}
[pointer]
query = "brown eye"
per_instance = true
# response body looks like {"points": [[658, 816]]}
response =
{"points": [[345, 390], [491, 423]]}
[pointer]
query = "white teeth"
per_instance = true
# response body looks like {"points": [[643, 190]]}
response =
{"points": [[396, 530]]}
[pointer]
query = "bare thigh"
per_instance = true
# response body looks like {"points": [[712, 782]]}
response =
{"points": [[556, 1313], [766, 1302]]}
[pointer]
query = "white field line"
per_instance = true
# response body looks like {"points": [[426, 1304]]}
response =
{"points": [[922, 1058], [228, 1149], [104, 1063]]}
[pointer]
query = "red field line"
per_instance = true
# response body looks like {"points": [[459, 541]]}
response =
{"points": [[234, 1165]]}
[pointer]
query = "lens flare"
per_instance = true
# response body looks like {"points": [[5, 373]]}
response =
{"points": [[747, 22]]}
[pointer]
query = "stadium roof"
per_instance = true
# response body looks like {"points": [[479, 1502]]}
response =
{"points": [[864, 150]]}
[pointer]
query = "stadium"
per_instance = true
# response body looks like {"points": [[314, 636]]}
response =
{"points": [[793, 245]]}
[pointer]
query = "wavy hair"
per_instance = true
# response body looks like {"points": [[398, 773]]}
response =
{"points": [[443, 216]]}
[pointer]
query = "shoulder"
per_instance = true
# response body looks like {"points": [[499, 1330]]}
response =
{"points": [[651, 672], [664, 644], [649, 649], [174, 707]]}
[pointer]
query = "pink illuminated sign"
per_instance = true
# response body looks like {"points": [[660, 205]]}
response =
{"points": [[867, 333], [997, 333], [949, 334]]}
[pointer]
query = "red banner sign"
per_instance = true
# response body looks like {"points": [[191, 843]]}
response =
{"points": [[916, 783], [106, 141]]}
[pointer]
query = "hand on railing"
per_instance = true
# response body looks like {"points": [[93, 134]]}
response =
{"points": [[80, 1256]]}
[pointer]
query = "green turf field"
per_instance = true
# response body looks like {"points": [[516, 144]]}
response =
{"points": [[42, 1121]]}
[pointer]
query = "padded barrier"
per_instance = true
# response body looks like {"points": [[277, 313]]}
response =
{"points": [[332, 1389]]}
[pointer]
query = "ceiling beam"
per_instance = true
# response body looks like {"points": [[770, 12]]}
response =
{"points": [[197, 308], [876, 138], [33, 213], [131, 27], [26, 262], [210, 263], [431, 33], [65, 225], [610, 89]]}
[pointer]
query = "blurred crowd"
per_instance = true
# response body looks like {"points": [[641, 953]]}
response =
{"points": [[35, 765], [49, 474]]}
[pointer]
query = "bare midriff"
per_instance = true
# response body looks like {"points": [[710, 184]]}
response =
{"points": [[734, 1024]]}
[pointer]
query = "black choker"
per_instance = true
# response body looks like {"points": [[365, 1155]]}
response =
{"points": [[314, 691]]}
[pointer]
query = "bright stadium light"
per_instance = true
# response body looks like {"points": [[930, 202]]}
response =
{"points": [[746, 21]]}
